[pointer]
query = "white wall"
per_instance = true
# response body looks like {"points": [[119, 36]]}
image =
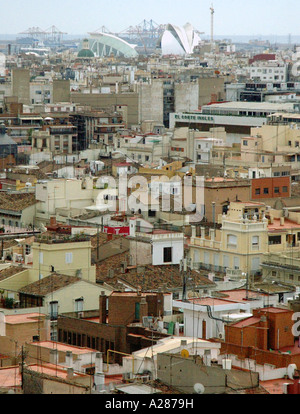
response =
{"points": [[158, 251]]}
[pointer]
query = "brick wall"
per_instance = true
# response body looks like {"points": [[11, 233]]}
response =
{"points": [[100, 337], [270, 183], [280, 328]]}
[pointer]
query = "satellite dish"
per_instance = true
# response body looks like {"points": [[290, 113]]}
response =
{"points": [[199, 388], [185, 353]]}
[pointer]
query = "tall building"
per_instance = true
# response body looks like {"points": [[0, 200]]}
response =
{"points": [[21, 85]]}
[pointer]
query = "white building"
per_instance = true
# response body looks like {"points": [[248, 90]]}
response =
{"points": [[199, 316], [179, 40], [162, 247], [269, 72]]}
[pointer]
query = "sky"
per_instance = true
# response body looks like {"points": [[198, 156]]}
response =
{"points": [[232, 17]]}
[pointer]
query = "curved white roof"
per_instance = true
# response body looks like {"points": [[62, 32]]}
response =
{"points": [[103, 44], [179, 40]]}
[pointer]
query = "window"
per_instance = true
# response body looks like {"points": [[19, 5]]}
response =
{"points": [[274, 240], [284, 189], [266, 191], [167, 254], [41, 258], [245, 143], [152, 213], [255, 242], [69, 258], [257, 191], [79, 305], [231, 241], [53, 310], [137, 311], [291, 277], [276, 190]]}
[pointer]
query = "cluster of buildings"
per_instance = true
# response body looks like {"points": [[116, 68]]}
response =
{"points": [[150, 218]]}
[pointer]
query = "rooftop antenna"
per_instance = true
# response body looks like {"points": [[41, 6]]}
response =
{"points": [[212, 12]]}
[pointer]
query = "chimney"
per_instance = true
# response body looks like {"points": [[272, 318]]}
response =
{"points": [[102, 308], [282, 221], [69, 359], [99, 363], [212, 234], [194, 234], [70, 373], [52, 221], [227, 364], [53, 356]]}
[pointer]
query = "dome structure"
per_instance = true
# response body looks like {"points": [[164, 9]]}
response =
{"points": [[106, 44], [178, 40], [85, 52]]}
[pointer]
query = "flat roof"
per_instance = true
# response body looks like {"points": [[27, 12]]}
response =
{"points": [[288, 224], [54, 370], [240, 295], [210, 301], [275, 386], [26, 318], [63, 347], [137, 389], [168, 344], [259, 106], [10, 377]]}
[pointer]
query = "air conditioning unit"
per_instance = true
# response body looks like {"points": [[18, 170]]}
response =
{"points": [[222, 336]]}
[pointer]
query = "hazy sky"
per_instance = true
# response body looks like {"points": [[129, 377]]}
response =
{"points": [[232, 17]]}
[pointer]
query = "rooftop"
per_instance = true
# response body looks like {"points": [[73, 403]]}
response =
{"points": [[16, 201], [49, 284], [148, 278], [10, 271], [241, 294], [288, 224], [25, 318], [76, 350], [275, 386]]}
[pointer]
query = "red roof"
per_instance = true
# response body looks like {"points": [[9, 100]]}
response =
{"points": [[246, 322]]}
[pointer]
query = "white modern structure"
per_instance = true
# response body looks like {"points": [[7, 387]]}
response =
{"points": [[179, 40], [106, 44]]}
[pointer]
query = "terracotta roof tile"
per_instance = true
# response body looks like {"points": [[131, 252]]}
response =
{"points": [[16, 202], [49, 284], [10, 271], [148, 278]]}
